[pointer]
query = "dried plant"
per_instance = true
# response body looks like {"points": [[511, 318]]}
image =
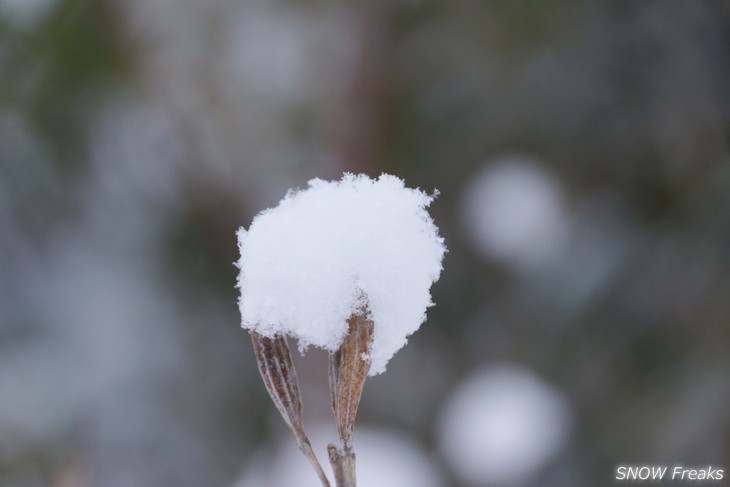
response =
{"points": [[280, 378], [348, 369], [319, 247]]}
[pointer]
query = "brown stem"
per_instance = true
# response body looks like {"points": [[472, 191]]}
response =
{"points": [[343, 466], [360, 128]]}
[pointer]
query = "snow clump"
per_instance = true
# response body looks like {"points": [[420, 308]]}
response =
{"points": [[311, 262]]}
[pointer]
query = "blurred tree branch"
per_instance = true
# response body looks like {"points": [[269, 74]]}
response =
{"points": [[360, 129]]}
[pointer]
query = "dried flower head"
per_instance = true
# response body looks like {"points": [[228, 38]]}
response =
{"points": [[346, 266]]}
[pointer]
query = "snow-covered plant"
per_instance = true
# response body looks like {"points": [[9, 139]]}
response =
{"points": [[346, 266]]}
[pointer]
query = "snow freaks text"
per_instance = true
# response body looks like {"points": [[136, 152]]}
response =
{"points": [[632, 473]]}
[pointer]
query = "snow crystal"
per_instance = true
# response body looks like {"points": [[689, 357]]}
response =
{"points": [[308, 264]]}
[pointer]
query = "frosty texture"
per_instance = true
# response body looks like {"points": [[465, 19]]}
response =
{"points": [[309, 263]]}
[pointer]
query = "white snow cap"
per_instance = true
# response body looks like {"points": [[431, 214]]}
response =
{"points": [[308, 264]]}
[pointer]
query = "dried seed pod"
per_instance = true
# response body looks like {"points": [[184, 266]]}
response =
{"points": [[280, 378], [348, 369]]}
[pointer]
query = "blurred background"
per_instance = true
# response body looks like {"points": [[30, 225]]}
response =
{"points": [[581, 152]]}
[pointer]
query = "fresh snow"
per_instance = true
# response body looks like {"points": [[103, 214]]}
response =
{"points": [[308, 264]]}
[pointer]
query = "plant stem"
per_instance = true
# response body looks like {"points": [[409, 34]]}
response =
{"points": [[306, 448], [343, 466]]}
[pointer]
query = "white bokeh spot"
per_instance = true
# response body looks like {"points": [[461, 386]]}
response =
{"points": [[501, 425], [384, 459], [513, 212]]}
